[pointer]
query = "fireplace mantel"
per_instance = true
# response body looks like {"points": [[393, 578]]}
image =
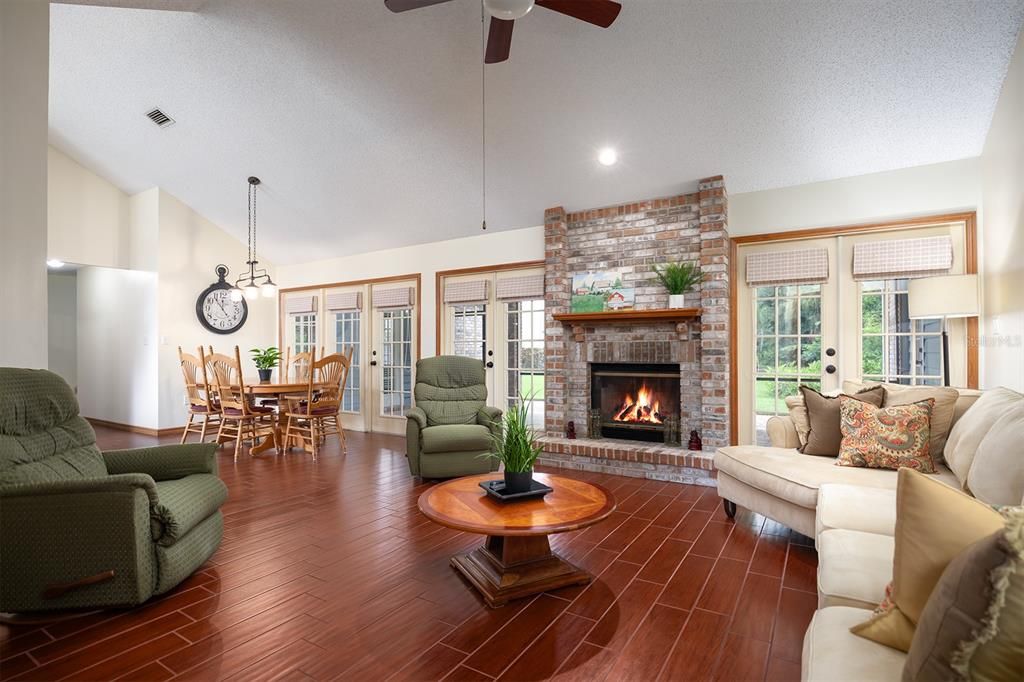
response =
{"points": [[666, 314]]}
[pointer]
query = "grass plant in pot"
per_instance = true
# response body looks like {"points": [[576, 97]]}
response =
{"points": [[678, 278], [266, 360], [515, 446]]}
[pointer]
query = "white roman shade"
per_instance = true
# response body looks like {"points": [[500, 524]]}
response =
{"points": [[903, 258], [807, 266], [466, 291], [344, 300], [299, 304], [520, 288], [399, 297]]}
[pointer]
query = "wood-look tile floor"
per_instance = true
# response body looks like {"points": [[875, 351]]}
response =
{"points": [[328, 571]]}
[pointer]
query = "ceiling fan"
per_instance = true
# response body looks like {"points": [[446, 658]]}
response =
{"points": [[504, 13]]}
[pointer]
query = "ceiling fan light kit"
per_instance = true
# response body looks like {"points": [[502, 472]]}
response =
{"points": [[504, 12]]}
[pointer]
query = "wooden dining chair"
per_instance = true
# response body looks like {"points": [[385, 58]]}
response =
{"points": [[313, 417], [202, 399], [241, 418]]}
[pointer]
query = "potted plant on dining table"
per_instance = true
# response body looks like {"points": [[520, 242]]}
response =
{"points": [[266, 360], [515, 446]]}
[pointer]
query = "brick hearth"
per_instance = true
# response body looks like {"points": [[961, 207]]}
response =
{"points": [[633, 238]]}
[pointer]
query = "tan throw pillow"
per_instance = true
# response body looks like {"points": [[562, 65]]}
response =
{"points": [[972, 626], [934, 523], [824, 436], [798, 413], [997, 473], [971, 428], [885, 437]]}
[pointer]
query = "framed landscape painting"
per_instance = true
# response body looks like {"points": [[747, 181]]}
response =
{"points": [[595, 292]]}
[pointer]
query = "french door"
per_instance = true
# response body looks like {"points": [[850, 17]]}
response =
{"points": [[841, 326], [503, 326], [378, 324]]}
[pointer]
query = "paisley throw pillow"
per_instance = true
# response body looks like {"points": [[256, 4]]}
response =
{"points": [[886, 437]]}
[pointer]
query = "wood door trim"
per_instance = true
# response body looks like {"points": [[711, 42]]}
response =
{"points": [[441, 274], [968, 218]]}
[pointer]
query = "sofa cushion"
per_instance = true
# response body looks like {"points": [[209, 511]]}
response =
{"points": [[934, 523], [183, 504], [855, 507], [886, 437], [970, 429], [832, 653], [997, 473], [42, 437], [853, 568], [456, 438], [796, 477], [824, 435]]}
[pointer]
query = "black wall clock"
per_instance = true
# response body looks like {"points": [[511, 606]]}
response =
{"points": [[215, 309]]}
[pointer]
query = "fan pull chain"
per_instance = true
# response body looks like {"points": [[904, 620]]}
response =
{"points": [[483, 114]]}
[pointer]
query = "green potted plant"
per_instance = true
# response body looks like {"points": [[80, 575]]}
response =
{"points": [[678, 278], [266, 360], [515, 446]]}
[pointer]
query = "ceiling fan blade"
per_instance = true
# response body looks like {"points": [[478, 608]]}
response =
{"points": [[406, 5], [499, 40], [598, 12]]}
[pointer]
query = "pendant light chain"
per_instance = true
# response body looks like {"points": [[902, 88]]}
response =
{"points": [[249, 198], [483, 115]]}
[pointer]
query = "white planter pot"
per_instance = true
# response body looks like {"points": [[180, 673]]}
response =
{"points": [[676, 301]]}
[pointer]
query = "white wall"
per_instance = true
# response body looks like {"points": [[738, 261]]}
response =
{"points": [[190, 247], [492, 248], [87, 216], [1002, 235], [24, 87], [923, 190], [117, 353], [62, 325]]}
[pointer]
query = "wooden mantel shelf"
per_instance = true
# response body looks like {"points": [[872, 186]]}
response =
{"points": [[666, 314]]}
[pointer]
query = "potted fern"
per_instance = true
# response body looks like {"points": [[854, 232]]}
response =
{"points": [[678, 278], [266, 360], [515, 446]]}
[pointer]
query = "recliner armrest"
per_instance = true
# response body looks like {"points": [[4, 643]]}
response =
{"points": [[417, 415], [164, 462], [490, 417]]}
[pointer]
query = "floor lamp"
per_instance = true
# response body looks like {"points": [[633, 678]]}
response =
{"points": [[945, 296]]}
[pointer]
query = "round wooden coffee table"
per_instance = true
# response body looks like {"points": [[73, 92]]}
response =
{"points": [[516, 559]]}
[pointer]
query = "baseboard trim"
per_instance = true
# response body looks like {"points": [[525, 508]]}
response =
{"points": [[131, 428]]}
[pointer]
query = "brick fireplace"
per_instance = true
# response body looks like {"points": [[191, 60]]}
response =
{"points": [[632, 238]]}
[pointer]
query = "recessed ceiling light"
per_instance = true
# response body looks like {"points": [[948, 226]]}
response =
{"points": [[54, 263], [607, 156]]}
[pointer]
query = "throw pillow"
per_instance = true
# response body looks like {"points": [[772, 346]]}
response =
{"points": [[942, 414], [971, 428], [972, 626], [798, 413], [934, 523], [824, 435], [997, 473], [886, 437]]}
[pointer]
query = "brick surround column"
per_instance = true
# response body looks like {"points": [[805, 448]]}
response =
{"points": [[714, 301], [557, 283]]}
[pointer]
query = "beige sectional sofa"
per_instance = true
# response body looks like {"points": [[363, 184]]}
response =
{"points": [[851, 514]]}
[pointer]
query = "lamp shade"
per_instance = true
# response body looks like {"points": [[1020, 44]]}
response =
{"points": [[946, 296]]}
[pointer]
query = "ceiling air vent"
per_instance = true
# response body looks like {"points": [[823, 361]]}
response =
{"points": [[160, 118]]}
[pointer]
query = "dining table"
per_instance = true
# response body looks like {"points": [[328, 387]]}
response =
{"points": [[275, 389]]}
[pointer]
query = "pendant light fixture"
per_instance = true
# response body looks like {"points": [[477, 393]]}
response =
{"points": [[250, 284]]}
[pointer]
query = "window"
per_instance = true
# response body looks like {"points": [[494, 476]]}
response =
{"points": [[347, 336], [470, 330], [893, 347], [525, 321], [396, 362], [788, 345], [304, 332]]}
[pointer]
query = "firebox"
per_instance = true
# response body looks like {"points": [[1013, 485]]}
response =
{"points": [[634, 401]]}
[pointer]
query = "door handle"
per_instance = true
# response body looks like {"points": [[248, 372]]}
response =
{"points": [[830, 369], [490, 364], [830, 352], [373, 363]]}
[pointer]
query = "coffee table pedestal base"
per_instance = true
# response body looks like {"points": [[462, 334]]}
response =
{"points": [[512, 567]]}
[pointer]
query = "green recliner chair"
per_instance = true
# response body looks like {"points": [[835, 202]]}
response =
{"points": [[450, 428], [85, 529]]}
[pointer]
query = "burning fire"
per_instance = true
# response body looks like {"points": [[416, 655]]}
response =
{"points": [[646, 409]]}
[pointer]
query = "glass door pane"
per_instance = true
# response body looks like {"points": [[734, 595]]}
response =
{"points": [[396, 362], [469, 330], [524, 344], [347, 337]]}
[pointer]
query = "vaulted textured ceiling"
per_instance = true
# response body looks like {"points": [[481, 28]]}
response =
{"points": [[364, 125]]}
